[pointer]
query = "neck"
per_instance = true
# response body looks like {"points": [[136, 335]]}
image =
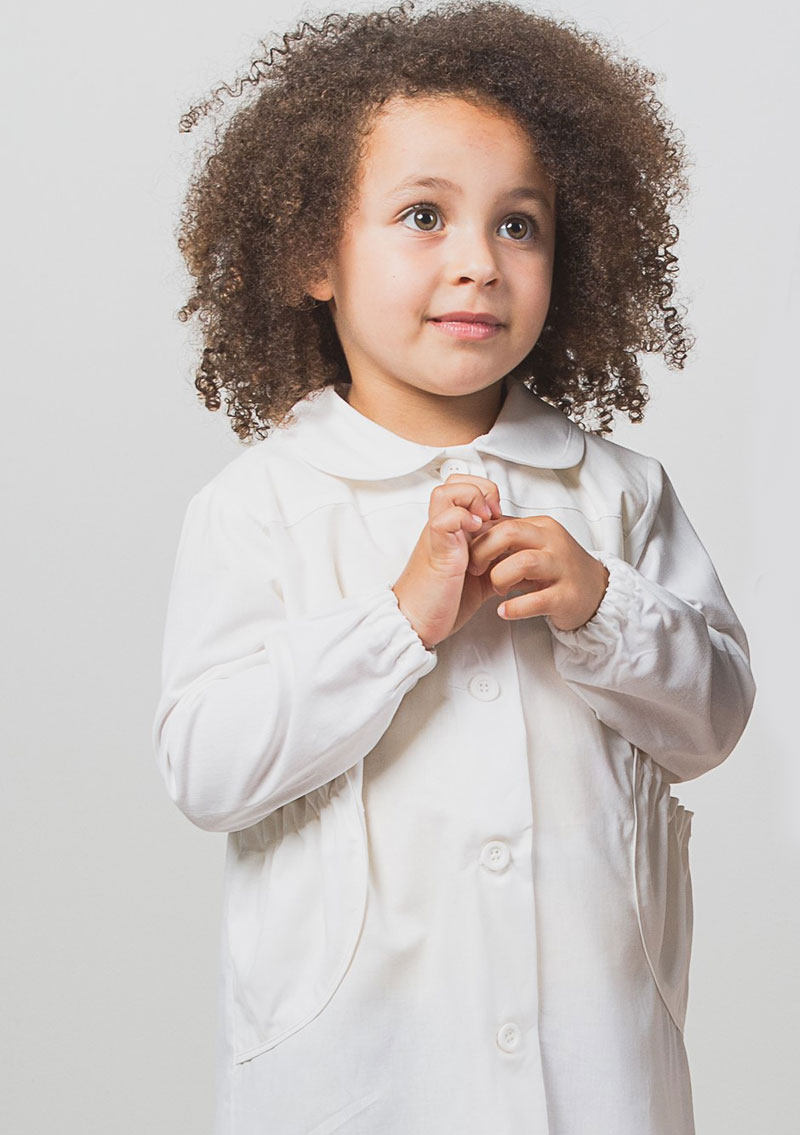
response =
{"points": [[425, 418]]}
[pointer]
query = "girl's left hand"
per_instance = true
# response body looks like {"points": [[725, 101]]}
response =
{"points": [[567, 583]]}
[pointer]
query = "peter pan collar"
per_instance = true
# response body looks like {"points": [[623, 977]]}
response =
{"points": [[333, 436]]}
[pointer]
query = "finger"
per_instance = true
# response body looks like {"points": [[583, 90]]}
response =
{"points": [[539, 602], [454, 520], [465, 493], [503, 537], [526, 566], [489, 489]]}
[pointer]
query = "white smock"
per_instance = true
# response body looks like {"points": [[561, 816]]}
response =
{"points": [[457, 888]]}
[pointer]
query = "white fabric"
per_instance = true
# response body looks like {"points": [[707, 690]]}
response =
{"points": [[457, 889]]}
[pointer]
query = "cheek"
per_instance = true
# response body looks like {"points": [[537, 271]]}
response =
{"points": [[538, 286], [375, 275], [399, 281]]}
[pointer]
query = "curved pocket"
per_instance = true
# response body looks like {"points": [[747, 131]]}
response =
{"points": [[295, 905], [662, 879]]}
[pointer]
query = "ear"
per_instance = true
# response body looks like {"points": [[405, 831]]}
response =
{"points": [[321, 289]]}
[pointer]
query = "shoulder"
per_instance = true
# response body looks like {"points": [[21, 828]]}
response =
{"points": [[561, 444], [621, 481], [620, 466], [267, 483]]}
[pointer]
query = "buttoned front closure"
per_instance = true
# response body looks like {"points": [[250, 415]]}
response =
{"points": [[473, 824], [509, 1036], [361, 779], [495, 855], [483, 687]]}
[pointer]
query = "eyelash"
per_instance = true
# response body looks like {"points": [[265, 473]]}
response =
{"points": [[430, 207]]}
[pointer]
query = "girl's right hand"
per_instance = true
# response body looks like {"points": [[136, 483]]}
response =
{"points": [[435, 592]]}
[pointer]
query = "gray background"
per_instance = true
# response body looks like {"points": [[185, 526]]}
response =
{"points": [[111, 899]]}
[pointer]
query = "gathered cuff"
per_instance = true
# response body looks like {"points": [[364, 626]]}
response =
{"points": [[409, 639], [601, 634]]}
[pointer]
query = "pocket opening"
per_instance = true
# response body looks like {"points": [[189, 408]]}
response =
{"points": [[284, 969], [662, 885]]}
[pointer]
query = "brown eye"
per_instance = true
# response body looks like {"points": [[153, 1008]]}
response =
{"points": [[424, 218], [520, 228]]}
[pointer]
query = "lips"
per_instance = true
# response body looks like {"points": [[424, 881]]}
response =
{"points": [[467, 317]]}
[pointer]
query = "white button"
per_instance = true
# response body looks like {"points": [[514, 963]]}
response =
{"points": [[495, 855], [483, 687], [508, 1036], [452, 465]]}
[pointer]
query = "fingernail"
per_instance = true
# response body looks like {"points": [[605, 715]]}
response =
{"points": [[501, 610], [475, 516]]}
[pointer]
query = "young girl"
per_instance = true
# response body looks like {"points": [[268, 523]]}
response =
{"points": [[434, 653]]}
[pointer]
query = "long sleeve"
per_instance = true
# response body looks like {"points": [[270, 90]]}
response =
{"points": [[258, 708], [664, 661]]}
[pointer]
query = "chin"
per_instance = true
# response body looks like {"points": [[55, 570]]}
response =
{"points": [[465, 389]]}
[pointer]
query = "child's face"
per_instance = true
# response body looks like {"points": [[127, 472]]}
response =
{"points": [[482, 244]]}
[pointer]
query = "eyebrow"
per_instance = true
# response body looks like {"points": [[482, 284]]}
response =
{"points": [[521, 193]]}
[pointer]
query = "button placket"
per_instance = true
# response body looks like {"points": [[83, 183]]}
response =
{"points": [[506, 884]]}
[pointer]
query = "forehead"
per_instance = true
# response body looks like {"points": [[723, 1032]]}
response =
{"points": [[426, 135]]}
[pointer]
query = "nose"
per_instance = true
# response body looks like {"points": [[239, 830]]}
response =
{"points": [[471, 258]]}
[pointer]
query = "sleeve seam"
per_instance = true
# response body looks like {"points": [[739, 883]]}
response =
{"points": [[654, 470]]}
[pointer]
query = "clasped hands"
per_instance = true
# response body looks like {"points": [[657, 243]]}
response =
{"points": [[469, 552]]}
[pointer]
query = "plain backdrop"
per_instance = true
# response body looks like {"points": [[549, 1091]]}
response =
{"points": [[111, 899]]}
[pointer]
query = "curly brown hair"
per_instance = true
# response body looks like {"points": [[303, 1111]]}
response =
{"points": [[268, 200]]}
